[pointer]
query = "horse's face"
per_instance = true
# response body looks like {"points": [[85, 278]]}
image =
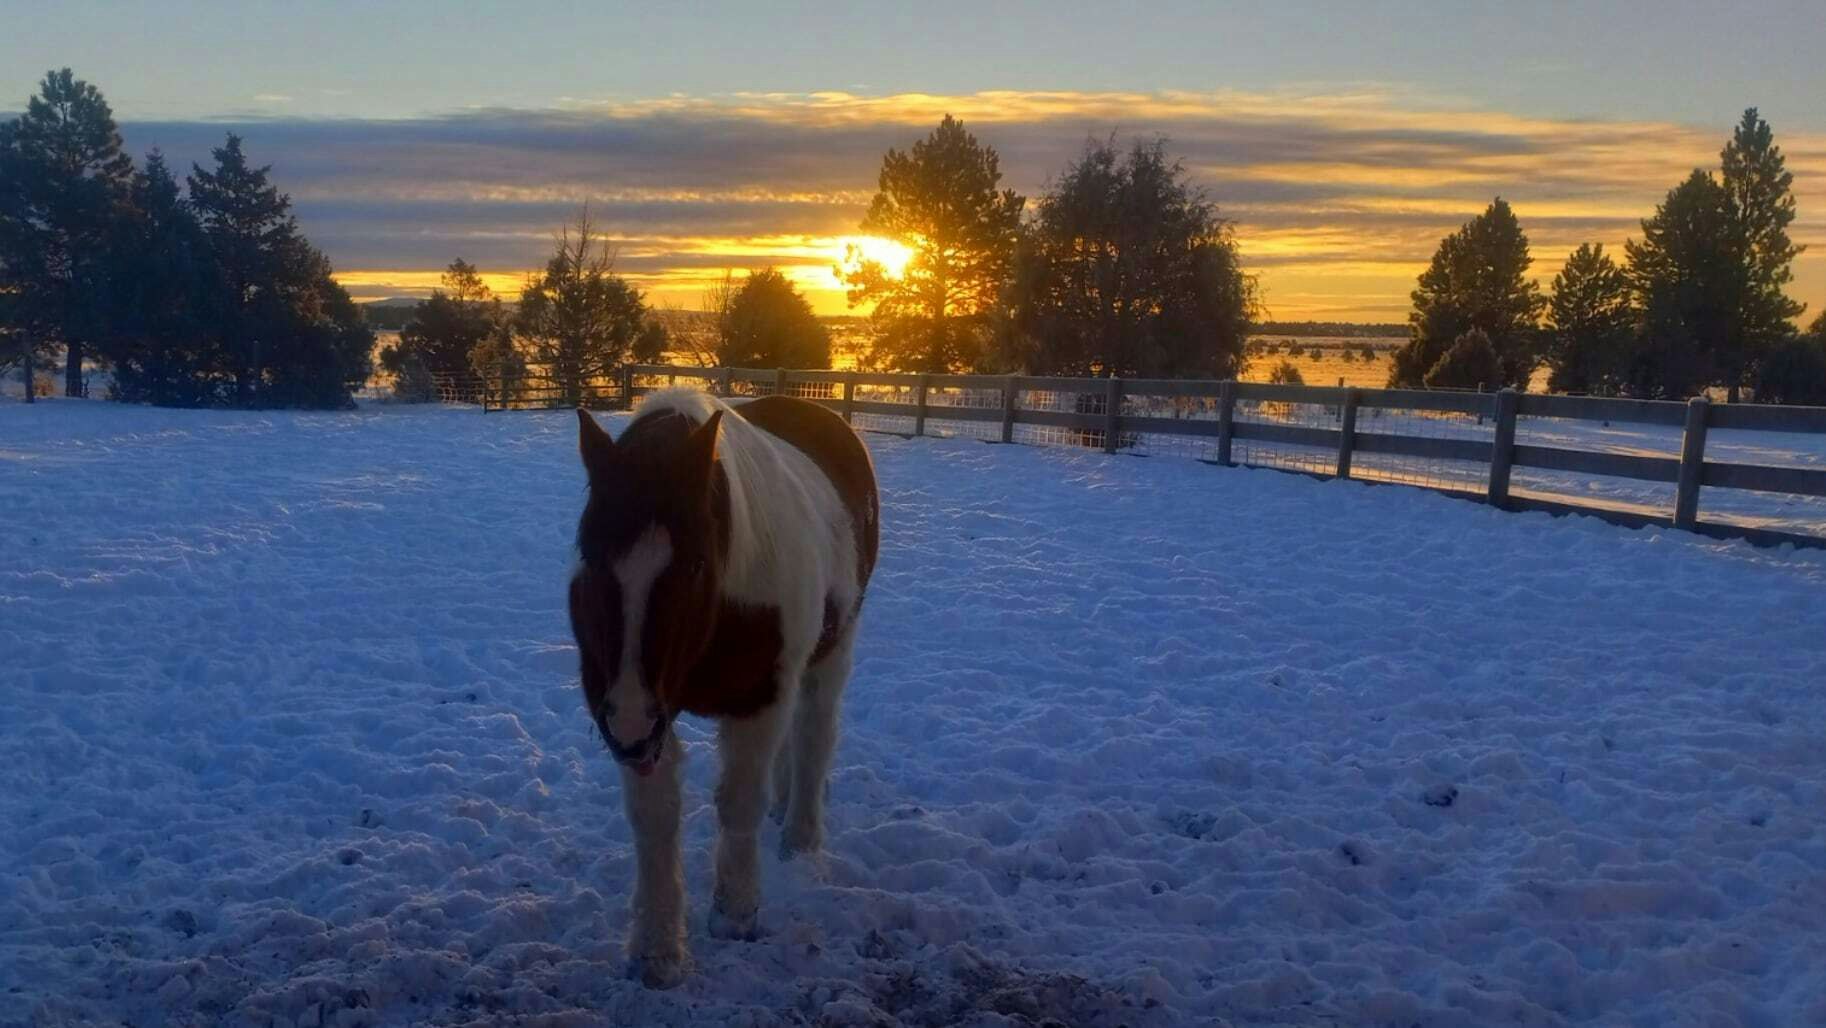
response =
{"points": [[644, 597]]}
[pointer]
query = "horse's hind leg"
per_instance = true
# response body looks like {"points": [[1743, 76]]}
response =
{"points": [[747, 746], [814, 738]]}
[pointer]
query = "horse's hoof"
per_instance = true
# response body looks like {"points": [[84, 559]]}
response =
{"points": [[792, 845], [659, 972], [734, 929]]}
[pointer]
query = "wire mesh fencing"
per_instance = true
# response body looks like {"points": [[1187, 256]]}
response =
{"points": [[1630, 461]]}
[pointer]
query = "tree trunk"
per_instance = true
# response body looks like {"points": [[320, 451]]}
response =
{"points": [[25, 352], [72, 369]]}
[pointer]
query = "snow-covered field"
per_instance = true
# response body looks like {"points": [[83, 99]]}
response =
{"points": [[290, 734]]}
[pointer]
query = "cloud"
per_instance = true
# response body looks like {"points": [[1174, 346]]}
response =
{"points": [[1339, 198], [272, 98]]}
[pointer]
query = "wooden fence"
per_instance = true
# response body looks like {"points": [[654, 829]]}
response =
{"points": [[1119, 414]]}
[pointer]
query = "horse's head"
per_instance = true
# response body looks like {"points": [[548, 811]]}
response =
{"points": [[651, 545]]}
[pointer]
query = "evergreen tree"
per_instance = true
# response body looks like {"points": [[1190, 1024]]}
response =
{"points": [[941, 201], [577, 315], [1471, 362], [772, 326], [160, 278], [287, 334], [1591, 325], [1762, 198], [652, 341], [62, 177], [446, 327], [1691, 281], [1132, 272], [1794, 371], [1478, 279]]}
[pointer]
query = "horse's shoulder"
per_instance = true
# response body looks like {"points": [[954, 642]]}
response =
{"points": [[836, 450]]}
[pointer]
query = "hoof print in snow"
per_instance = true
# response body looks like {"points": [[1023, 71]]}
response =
{"points": [[367, 818], [183, 922], [1440, 796], [875, 946], [1355, 852], [1759, 820], [348, 857], [1192, 826], [1157, 888]]}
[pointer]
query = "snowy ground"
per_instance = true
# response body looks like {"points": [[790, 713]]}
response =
{"points": [[291, 735]]}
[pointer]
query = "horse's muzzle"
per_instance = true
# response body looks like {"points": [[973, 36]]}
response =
{"points": [[642, 756]]}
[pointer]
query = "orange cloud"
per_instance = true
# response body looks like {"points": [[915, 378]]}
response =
{"points": [[1338, 198]]}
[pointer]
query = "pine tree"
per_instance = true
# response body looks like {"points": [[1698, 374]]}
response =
{"points": [[447, 327], [941, 200], [160, 278], [772, 326], [1761, 191], [1478, 279], [288, 335], [1691, 281], [1591, 325], [1132, 272], [577, 315], [63, 175], [1471, 362]]}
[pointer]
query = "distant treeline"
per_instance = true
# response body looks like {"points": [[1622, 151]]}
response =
{"points": [[1698, 303], [199, 293], [1122, 268], [205, 293], [1340, 329]]}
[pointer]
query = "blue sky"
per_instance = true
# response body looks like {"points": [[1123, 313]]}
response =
{"points": [[1344, 139]]}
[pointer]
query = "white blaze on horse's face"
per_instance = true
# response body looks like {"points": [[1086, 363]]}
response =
{"points": [[632, 708]]}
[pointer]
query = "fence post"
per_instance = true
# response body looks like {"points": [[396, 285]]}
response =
{"points": [[849, 396], [627, 387], [1226, 419], [1347, 431], [919, 399], [1011, 390], [1502, 448], [1692, 463], [726, 382], [1112, 413], [779, 381]]}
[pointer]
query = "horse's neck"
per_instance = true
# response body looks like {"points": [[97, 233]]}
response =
{"points": [[775, 520]]}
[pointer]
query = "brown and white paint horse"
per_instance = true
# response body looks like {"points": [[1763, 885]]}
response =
{"points": [[723, 555]]}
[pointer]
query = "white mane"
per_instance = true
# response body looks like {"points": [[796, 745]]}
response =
{"points": [[776, 496]]}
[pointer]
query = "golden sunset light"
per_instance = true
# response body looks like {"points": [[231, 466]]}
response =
{"points": [[1031, 513], [1326, 192]]}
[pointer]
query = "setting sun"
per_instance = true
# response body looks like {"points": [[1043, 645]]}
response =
{"points": [[886, 252]]}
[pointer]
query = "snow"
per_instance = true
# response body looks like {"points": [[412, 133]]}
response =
{"points": [[292, 736]]}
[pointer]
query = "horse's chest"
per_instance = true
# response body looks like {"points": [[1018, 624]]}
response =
{"points": [[739, 673]]}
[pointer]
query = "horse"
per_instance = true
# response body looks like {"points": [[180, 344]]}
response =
{"points": [[722, 557]]}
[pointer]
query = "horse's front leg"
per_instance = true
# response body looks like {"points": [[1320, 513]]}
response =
{"points": [[748, 746], [657, 942]]}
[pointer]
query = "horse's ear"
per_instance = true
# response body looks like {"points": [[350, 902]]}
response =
{"points": [[701, 452], [594, 445]]}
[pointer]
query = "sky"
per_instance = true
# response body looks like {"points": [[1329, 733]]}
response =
{"points": [[1342, 141]]}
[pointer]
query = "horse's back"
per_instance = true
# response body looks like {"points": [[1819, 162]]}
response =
{"points": [[838, 452]]}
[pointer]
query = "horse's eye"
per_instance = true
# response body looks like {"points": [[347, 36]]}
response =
{"points": [[697, 568]]}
